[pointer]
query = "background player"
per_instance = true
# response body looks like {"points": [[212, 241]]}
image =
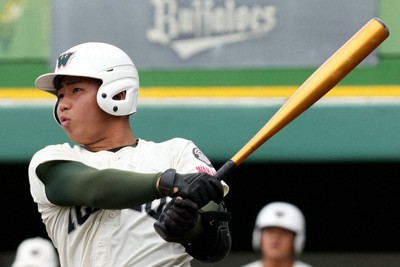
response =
{"points": [[36, 252], [279, 234], [100, 198]]}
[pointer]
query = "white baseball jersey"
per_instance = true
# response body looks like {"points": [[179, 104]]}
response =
{"points": [[86, 236]]}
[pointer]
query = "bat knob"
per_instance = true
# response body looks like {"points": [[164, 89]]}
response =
{"points": [[162, 230]]}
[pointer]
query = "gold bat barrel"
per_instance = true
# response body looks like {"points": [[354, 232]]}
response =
{"points": [[334, 69]]}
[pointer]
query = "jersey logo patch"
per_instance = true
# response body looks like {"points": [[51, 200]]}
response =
{"points": [[200, 156]]}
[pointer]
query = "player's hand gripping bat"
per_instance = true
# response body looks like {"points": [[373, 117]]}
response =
{"points": [[334, 69]]}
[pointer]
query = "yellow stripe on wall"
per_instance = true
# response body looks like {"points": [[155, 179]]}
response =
{"points": [[265, 91], [23, 93], [222, 92]]}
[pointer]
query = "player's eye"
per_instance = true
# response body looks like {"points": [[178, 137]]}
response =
{"points": [[60, 95], [75, 90]]}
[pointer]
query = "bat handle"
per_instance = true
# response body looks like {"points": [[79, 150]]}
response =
{"points": [[226, 170], [162, 230]]}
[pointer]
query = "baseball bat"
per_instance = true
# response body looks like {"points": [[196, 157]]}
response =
{"points": [[334, 69]]}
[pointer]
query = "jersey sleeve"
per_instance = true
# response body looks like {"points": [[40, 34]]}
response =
{"points": [[49, 153]]}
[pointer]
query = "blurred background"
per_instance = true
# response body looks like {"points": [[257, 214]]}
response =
{"points": [[215, 71]]}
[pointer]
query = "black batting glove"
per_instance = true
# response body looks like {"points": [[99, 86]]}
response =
{"points": [[199, 187], [178, 217]]}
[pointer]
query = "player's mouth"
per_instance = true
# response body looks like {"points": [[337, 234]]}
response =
{"points": [[64, 120]]}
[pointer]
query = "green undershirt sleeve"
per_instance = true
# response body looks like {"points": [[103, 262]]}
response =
{"points": [[70, 183]]}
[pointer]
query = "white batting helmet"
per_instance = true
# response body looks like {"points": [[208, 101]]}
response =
{"points": [[284, 215], [36, 252], [100, 61]]}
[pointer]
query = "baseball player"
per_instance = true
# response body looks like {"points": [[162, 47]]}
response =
{"points": [[279, 234], [113, 199]]}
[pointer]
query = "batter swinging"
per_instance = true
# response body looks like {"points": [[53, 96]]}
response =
{"points": [[100, 197]]}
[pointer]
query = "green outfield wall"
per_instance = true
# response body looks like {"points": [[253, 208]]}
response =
{"points": [[358, 121]]}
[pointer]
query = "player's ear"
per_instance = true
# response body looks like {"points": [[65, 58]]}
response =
{"points": [[120, 96]]}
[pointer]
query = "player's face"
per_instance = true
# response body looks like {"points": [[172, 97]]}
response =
{"points": [[78, 112], [277, 243]]}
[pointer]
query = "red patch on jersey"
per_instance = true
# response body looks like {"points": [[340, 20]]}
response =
{"points": [[206, 170]]}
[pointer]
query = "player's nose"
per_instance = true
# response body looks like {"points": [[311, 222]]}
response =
{"points": [[63, 105]]}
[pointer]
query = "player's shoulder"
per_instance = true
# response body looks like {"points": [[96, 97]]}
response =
{"points": [[170, 143], [257, 263], [59, 151], [56, 147], [301, 264], [177, 141]]}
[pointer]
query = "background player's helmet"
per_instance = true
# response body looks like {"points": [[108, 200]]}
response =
{"points": [[37, 252], [284, 215], [101, 61]]}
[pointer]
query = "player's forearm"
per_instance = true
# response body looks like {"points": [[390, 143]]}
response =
{"points": [[75, 184], [116, 189]]}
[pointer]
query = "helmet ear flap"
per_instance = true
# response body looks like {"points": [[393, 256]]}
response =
{"points": [[55, 113], [107, 101], [256, 239], [299, 242]]}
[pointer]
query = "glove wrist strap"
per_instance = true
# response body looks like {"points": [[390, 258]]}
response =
{"points": [[166, 184]]}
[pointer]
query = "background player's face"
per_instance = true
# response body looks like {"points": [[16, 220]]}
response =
{"points": [[277, 243], [78, 111]]}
